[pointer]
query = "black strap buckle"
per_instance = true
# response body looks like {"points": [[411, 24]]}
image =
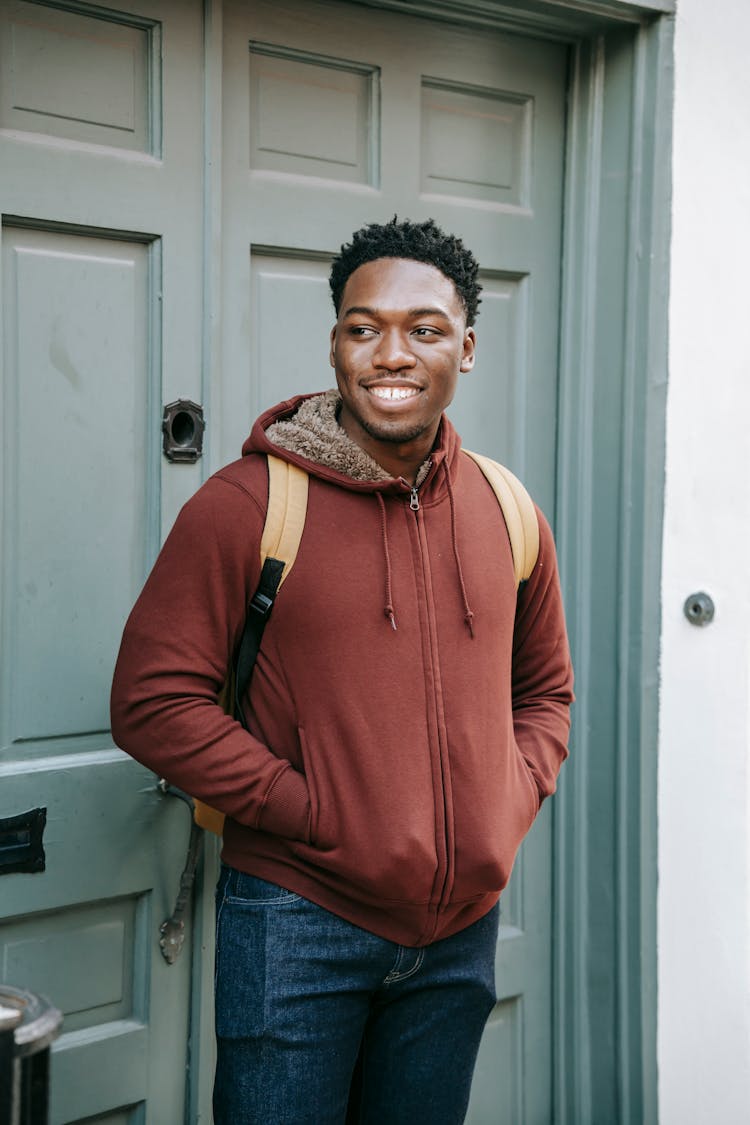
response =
{"points": [[261, 604]]}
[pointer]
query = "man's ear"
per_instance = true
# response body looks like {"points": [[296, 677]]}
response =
{"points": [[470, 343], [331, 358]]}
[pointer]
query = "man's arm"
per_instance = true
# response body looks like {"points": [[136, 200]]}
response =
{"points": [[174, 660], [542, 672]]}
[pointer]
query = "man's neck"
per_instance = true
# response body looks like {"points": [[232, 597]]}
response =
{"points": [[399, 460]]}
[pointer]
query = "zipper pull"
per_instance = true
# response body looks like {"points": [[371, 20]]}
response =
{"points": [[414, 501]]}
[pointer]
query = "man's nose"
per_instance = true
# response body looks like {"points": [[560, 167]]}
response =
{"points": [[393, 352]]}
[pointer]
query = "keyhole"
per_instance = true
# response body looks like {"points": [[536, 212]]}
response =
{"points": [[183, 428]]}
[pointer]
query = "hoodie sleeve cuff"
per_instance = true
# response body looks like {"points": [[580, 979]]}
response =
{"points": [[286, 811]]}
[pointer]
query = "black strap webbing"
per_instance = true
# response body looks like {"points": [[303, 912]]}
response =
{"points": [[258, 613]]}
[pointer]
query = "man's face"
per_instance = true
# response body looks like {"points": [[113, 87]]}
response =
{"points": [[397, 348]]}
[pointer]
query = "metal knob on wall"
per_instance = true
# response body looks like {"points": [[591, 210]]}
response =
{"points": [[699, 608]]}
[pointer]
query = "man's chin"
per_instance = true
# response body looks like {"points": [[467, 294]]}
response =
{"points": [[395, 433]]}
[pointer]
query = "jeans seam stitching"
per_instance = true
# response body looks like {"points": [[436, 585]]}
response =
{"points": [[234, 900], [398, 977], [218, 923]]}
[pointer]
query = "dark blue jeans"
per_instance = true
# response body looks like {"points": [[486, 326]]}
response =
{"points": [[304, 998]]}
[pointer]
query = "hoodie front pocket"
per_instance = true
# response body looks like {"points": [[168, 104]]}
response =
{"points": [[312, 785], [368, 831], [536, 802], [495, 801]]}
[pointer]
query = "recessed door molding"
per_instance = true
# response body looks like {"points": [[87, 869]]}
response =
{"points": [[550, 18]]}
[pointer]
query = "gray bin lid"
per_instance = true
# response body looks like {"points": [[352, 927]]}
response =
{"points": [[37, 1023]]}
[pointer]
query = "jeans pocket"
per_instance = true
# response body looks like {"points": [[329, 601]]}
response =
{"points": [[241, 889], [248, 910]]}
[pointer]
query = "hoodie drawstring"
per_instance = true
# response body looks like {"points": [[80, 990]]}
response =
{"points": [[468, 612], [388, 608]]}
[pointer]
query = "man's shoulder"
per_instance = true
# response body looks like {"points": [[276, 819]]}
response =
{"points": [[226, 494], [248, 474]]}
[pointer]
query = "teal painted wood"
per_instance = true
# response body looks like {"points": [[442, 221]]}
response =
{"points": [[611, 444], [557, 19], [509, 97], [101, 306]]}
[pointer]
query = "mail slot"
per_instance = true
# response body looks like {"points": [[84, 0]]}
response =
{"points": [[22, 842]]}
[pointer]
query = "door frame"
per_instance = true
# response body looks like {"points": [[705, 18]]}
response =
{"points": [[610, 495]]}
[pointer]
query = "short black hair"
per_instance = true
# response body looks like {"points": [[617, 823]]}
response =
{"points": [[421, 242]]}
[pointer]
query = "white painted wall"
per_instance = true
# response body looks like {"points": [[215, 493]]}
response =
{"points": [[704, 761]]}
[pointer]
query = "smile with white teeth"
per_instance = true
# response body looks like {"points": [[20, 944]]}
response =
{"points": [[393, 394]]}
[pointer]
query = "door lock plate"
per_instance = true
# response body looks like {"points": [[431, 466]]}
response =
{"points": [[183, 425]]}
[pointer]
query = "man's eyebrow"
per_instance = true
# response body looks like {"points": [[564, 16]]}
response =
{"points": [[361, 310], [365, 310], [429, 311]]}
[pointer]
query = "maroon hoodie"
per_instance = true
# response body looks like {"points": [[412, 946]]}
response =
{"points": [[408, 712]]}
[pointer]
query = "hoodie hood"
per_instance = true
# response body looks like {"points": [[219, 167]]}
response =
{"points": [[305, 431], [314, 432]]}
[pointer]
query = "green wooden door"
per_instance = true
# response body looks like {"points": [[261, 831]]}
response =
{"points": [[335, 116], [101, 314]]}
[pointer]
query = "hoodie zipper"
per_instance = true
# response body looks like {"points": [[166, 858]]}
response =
{"points": [[444, 847], [414, 488]]}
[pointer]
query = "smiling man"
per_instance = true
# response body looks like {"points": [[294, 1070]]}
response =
{"points": [[407, 715], [397, 348]]}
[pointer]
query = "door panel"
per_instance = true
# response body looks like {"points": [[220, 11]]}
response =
{"points": [[335, 116], [312, 115], [70, 301], [286, 289], [490, 409], [476, 143], [66, 74], [101, 272]]}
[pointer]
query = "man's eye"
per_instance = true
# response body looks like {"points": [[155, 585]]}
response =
{"points": [[423, 331], [361, 330]]}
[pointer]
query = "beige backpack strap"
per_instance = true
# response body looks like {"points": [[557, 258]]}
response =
{"points": [[518, 511], [285, 517], [285, 522]]}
